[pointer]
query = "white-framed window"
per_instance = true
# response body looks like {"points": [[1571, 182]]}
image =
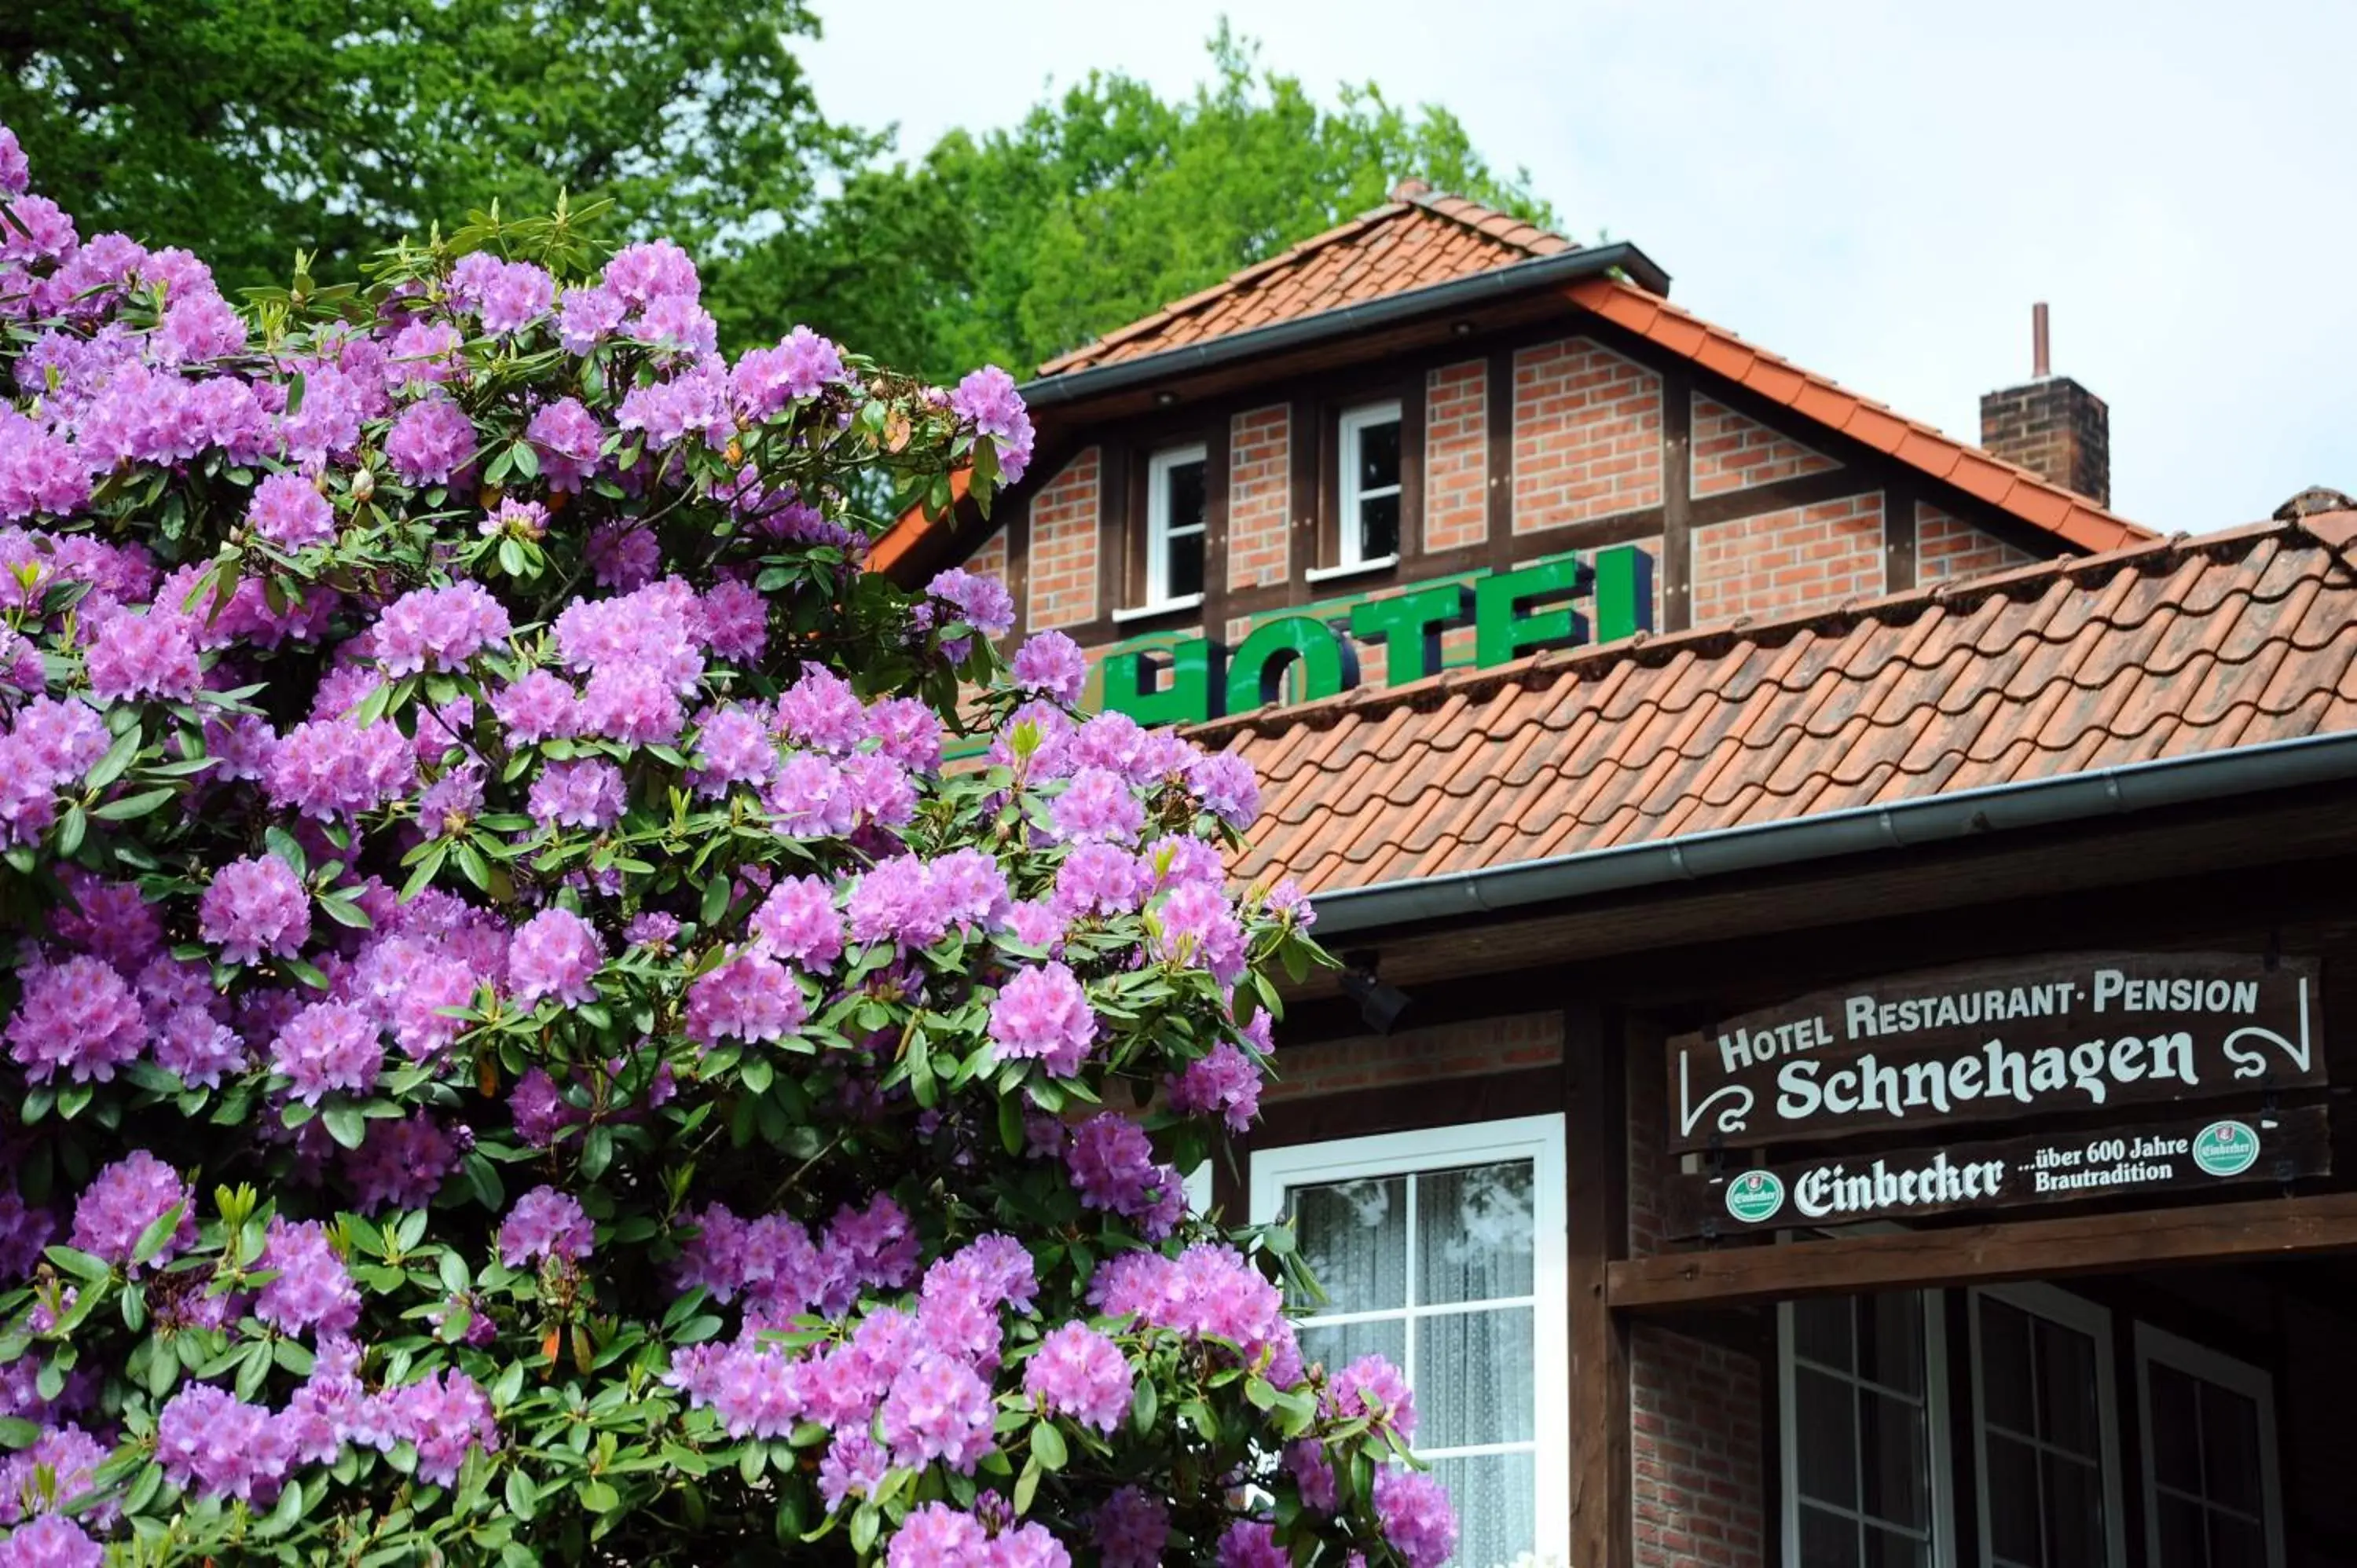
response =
{"points": [[1444, 1251], [1863, 1401], [1369, 490], [2045, 1430], [1177, 499], [2212, 1497]]}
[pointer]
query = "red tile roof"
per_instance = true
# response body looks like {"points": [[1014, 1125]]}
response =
{"points": [[2162, 649], [2066, 514], [1416, 238]]}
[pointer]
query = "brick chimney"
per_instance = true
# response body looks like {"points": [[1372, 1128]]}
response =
{"points": [[2051, 425]]}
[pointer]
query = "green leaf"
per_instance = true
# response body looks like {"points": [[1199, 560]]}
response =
{"points": [[342, 910], [596, 1151], [345, 1123], [118, 756], [598, 1497], [285, 1516], [16, 1433], [81, 1265], [1048, 1446], [281, 842], [520, 1494], [131, 806]]}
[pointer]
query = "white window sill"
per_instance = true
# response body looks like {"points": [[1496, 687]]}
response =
{"points": [[1350, 569], [1168, 607]]}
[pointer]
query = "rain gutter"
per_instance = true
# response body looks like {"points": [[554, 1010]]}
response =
{"points": [[1903, 824]]}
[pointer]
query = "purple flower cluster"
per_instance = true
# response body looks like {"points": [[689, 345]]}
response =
{"points": [[438, 629], [988, 399], [1111, 1163], [554, 954], [254, 907], [1042, 1014], [311, 1290], [546, 1224], [79, 1016], [1079, 1372], [325, 1047], [126, 1198]]}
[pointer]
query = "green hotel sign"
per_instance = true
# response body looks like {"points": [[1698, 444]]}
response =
{"points": [[1314, 653]]}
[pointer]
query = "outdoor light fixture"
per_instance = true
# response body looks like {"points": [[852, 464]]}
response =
{"points": [[1380, 1004], [1165, 398], [1462, 328]]}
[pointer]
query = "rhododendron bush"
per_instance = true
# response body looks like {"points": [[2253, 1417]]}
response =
{"points": [[517, 1047]]}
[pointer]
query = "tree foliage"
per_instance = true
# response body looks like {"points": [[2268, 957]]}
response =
{"points": [[516, 1049], [1100, 206], [241, 129]]}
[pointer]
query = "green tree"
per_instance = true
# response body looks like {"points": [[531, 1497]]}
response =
{"points": [[1100, 206], [242, 128]]}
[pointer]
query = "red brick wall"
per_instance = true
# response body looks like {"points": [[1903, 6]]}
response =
{"points": [[1260, 498], [1732, 451], [1778, 562], [1698, 1466], [1455, 456], [1696, 1462], [1062, 586], [1948, 546], [1587, 434]]}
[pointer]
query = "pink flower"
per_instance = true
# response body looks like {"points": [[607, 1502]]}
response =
{"points": [[1043, 1013], [939, 1408], [1051, 664], [438, 629], [431, 441], [798, 920], [1079, 1372], [584, 794], [81, 1015], [1417, 1520], [288, 510], [126, 1198], [556, 954], [255, 905], [328, 1046], [750, 997], [545, 1223], [145, 655], [312, 1290]]}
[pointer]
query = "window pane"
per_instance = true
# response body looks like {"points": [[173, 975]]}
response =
{"points": [[1353, 1236], [2067, 1390], [1474, 1233], [2175, 1429], [2005, 1380], [1476, 1375], [1890, 1341], [2230, 1449], [1895, 1548], [1185, 490], [1184, 573], [2236, 1543], [1824, 1429], [1827, 1541], [1890, 1434], [1497, 1501], [1822, 1330], [2012, 1486], [1379, 527], [1338, 1345], [2074, 1495], [1379, 456], [2181, 1534]]}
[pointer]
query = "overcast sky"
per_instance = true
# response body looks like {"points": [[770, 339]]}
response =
{"points": [[1876, 191]]}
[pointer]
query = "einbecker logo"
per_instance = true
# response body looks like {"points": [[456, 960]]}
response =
{"points": [[1754, 1195], [2225, 1148]]}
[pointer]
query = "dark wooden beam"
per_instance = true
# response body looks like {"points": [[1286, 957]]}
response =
{"points": [[1019, 560], [1412, 395], [1115, 486], [1498, 425], [1596, 1183], [1898, 563], [1677, 487], [1217, 443], [1304, 459], [1988, 1254]]}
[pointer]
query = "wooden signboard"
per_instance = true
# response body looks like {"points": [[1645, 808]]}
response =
{"points": [[2015, 1041], [2174, 1157]]}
